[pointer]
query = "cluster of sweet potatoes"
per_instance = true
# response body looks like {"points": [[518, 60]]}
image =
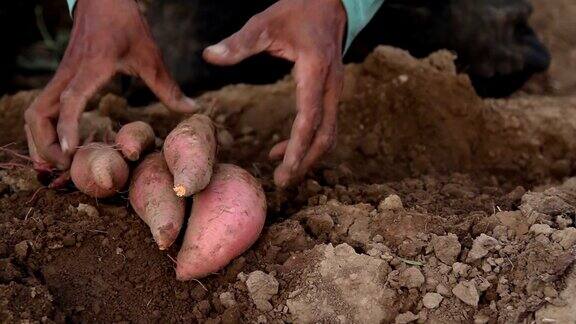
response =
{"points": [[229, 205]]}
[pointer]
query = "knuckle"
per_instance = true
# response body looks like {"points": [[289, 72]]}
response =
{"points": [[67, 96], [69, 99], [255, 20], [325, 142]]}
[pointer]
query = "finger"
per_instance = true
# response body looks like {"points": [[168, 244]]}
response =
{"points": [[310, 76], [326, 134], [39, 118], [157, 77], [277, 152], [47, 144], [39, 163], [252, 39], [73, 102]]}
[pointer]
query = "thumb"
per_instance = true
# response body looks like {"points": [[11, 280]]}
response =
{"points": [[252, 39], [157, 77]]}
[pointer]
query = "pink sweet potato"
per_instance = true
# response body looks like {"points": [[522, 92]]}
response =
{"points": [[135, 138], [190, 152], [227, 218], [98, 170], [154, 201]]}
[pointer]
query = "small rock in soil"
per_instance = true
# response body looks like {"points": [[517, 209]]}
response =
{"points": [[411, 278], [432, 300], [446, 248], [466, 291], [481, 246], [392, 203], [262, 287]]}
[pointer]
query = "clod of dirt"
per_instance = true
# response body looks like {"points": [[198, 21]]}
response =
{"points": [[461, 269], [320, 224], [565, 237], [563, 221], [515, 222], [466, 291], [443, 290], [564, 312], [446, 248], [432, 300], [405, 318], [543, 229], [262, 287], [89, 210], [392, 203], [411, 277], [227, 299], [21, 250], [337, 284], [482, 245]]}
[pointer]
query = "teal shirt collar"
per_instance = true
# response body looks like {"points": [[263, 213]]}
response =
{"points": [[359, 13]]}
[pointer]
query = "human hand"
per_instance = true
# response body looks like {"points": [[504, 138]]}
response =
{"points": [[108, 36], [309, 33]]}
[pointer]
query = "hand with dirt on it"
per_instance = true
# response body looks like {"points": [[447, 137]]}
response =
{"points": [[108, 36], [309, 33]]}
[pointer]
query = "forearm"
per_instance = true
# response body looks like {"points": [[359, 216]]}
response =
{"points": [[359, 13]]}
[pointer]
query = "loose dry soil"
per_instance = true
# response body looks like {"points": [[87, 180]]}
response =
{"points": [[435, 207]]}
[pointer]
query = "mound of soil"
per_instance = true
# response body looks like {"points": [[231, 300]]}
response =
{"points": [[435, 207]]}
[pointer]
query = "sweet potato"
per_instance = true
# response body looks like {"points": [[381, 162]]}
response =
{"points": [[135, 138], [227, 218], [190, 152], [154, 201], [98, 170]]}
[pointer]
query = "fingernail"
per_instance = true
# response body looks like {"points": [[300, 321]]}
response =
{"points": [[218, 49], [65, 146], [191, 102]]}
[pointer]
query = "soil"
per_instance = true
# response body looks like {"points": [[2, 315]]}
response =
{"points": [[434, 207]]}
